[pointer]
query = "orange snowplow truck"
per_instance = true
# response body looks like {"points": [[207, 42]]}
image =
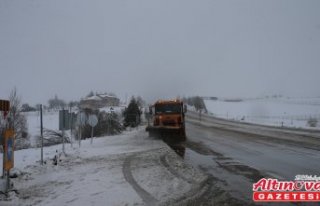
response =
{"points": [[168, 119]]}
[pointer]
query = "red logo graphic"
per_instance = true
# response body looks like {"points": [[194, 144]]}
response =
{"points": [[304, 189]]}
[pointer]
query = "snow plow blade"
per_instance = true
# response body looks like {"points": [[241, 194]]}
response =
{"points": [[166, 132]]}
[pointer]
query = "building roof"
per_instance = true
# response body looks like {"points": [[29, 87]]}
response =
{"points": [[99, 97], [93, 98]]}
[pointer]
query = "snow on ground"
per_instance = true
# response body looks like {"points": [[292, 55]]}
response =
{"points": [[32, 156], [115, 170], [50, 121], [291, 112]]}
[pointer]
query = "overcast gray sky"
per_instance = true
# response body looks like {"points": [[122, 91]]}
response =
{"points": [[159, 48]]}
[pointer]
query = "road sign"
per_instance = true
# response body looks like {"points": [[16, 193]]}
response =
{"points": [[8, 160], [92, 120], [81, 119], [64, 120], [4, 105]]}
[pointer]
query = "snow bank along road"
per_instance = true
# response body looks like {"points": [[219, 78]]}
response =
{"points": [[235, 155], [128, 169]]}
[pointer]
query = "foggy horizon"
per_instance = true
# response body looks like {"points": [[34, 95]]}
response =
{"points": [[159, 49]]}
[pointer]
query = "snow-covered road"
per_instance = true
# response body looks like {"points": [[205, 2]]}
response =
{"points": [[237, 155]]}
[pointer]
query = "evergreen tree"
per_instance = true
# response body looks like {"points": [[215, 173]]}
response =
{"points": [[132, 114]]}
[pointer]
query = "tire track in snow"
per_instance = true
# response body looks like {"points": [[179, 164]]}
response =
{"points": [[172, 171], [144, 195]]}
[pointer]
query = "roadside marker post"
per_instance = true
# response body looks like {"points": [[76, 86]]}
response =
{"points": [[4, 107], [8, 155], [8, 149]]}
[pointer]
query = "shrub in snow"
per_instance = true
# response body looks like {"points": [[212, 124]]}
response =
{"points": [[312, 122], [52, 137], [27, 108], [108, 124]]}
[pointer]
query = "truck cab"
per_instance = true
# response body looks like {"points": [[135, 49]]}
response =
{"points": [[168, 119]]}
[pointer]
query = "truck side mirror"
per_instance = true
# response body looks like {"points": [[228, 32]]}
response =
{"points": [[185, 108]]}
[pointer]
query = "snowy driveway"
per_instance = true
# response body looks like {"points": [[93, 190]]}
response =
{"points": [[128, 169]]}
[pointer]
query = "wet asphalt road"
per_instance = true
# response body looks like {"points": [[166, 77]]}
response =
{"points": [[237, 155]]}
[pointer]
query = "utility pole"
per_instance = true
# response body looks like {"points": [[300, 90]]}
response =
{"points": [[2, 143], [41, 133], [63, 127], [70, 123]]}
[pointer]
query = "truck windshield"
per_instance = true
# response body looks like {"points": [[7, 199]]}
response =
{"points": [[168, 108]]}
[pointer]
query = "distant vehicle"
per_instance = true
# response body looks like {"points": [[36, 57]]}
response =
{"points": [[168, 119]]}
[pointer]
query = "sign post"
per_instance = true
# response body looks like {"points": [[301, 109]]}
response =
{"points": [[81, 121], [8, 154], [41, 133], [8, 150], [71, 124], [8, 144], [92, 121]]}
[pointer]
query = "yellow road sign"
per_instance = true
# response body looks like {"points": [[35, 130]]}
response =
{"points": [[8, 160]]}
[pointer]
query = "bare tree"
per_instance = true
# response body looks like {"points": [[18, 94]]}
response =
{"points": [[19, 121]]}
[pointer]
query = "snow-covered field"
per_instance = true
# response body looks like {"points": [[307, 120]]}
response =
{"points": [[50, 121], [289, 112]]}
